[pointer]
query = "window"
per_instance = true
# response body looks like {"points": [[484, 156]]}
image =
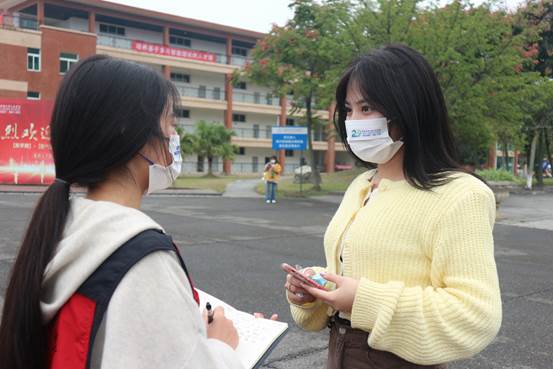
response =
{"points": [[33, 59], [217, 93], [180, 77], [239, 51], [202, 91], [289, 153], [241, 151], [33, 95], [255, 164], [240, 85], [182, 113], [256, 131], [112, 30], [180, 41], [66, 61], [241, 118]]}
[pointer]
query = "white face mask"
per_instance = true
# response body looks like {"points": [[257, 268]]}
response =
{"points": [[162, 177], [370, 141], [273, 162]]}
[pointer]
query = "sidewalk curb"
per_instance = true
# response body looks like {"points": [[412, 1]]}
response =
{"points": [[169, 192]]}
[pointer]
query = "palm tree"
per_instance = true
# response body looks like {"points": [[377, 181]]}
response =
{"points": [[210, 140]]}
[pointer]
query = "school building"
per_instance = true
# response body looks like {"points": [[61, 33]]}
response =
{"points": [[40, 40]]}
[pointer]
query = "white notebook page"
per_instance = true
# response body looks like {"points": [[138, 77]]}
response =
{"points": [[256, 335]]}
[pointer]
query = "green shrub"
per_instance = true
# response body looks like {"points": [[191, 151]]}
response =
{"points": [[497, 175]]}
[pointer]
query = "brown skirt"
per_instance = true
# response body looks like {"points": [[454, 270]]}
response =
{"points": [[348, 349]]}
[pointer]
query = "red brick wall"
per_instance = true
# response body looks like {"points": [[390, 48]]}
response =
{"points": [[55, 42], [12, 94], [13, 60]]}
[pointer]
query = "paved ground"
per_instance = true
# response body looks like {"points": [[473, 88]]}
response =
{"points": [[234, 247], [243, 188]]}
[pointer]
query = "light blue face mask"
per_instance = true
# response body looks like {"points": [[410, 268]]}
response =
{"points": [[161, 177]]}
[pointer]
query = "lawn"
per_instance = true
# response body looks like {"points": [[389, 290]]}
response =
{"points": [[215, 183], [331, 183], [339, 182], [501, 175]]}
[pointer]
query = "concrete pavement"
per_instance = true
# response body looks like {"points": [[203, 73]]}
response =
{"points": [[233, 248]]}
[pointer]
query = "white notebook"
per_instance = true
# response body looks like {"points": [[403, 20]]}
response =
{"points": [[258, 337]]}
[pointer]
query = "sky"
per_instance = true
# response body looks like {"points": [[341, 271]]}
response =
{"points": [[256, 15]]}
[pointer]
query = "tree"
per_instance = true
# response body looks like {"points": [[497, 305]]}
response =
{"points": [[474, 54], [208, 141], [302, 59], [536, 18], [538, 126]]}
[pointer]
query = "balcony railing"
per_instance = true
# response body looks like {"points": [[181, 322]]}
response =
{"points": [[238, 166], [126, 43], [239, 60], [202, 92], [27, 21], [218, 93], [263, 132], [18, 20], [255, 98]]}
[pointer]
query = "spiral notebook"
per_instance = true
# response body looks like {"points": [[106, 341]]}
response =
{"points": [[258, 337]]}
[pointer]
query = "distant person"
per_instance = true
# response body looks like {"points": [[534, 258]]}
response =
{"points": [[410, 248], [546, 167], [271, 175]]}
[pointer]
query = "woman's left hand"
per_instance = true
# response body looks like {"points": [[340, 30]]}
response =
{"points": [[342, 297]]}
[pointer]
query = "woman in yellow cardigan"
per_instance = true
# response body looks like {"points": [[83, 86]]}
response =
{"points": [[410, 266]]}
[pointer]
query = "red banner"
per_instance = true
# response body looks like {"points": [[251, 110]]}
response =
{"points": [[150, 48], [25, 152]]}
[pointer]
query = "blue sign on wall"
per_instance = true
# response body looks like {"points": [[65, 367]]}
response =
{"points": [[290, 138]]}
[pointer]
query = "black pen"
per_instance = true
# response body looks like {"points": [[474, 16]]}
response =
{"points": [[209, 313]]}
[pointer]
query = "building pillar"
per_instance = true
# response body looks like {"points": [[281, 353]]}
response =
{"points": [[330, 155], [227, 164], [282, 122], [166, 69], [40, 12], [92, 22], [165, 36], [229, 50]]}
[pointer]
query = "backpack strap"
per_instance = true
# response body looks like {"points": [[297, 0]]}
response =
{"points": [[80, 318]]}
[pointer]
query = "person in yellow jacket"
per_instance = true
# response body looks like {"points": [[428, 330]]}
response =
{"points": [[271, 176], [410, 273]]}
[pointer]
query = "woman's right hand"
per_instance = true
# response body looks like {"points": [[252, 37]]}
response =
{"points": [[296, 294], [222, 328]]}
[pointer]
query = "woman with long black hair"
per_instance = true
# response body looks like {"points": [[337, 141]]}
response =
{"points": [[409, 253], [97, 283]]}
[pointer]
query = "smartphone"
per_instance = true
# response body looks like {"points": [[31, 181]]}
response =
{"points": [[291, 270]]}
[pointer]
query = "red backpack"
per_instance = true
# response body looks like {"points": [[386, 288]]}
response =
{"points": [[72, 332]]}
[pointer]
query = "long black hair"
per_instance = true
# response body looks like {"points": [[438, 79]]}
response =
{"points": [[399, 83], [106, 110]]}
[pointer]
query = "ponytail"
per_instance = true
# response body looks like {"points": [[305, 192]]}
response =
{"points": [[23, 339]]}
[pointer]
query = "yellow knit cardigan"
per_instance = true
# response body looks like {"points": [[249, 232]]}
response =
{"points": [[429, 288]]}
